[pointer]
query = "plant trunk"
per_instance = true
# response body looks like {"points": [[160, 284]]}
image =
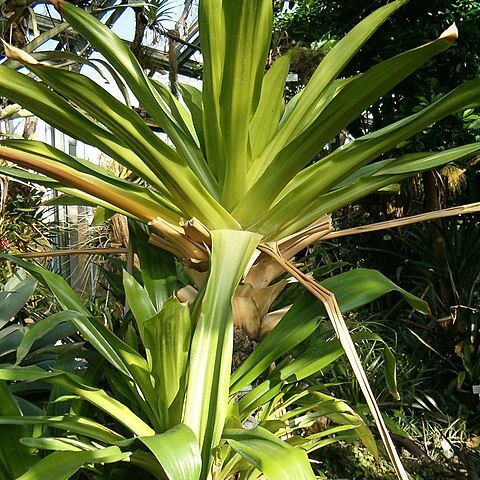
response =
{"points": [[30, 127], [173, 62], [439, 248], [140, 27]]}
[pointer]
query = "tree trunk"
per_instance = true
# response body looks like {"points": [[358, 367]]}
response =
{"points": [[439, 248], [173, 62], [140, 27]]}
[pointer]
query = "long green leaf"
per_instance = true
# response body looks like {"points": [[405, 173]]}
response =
{"points": [[158, 267], [248, 29], [15, 458], [57, 444], [390, 172], [62, 465], [211, 350], [76, 385], [184, 119], [123, 60], [212, 35], [350, 101], [332, 65], [270, 108], [119, 354], [312, 361], [138, 301], [84, 166], [193, 100], [277, 460], [163, 160], [360, 286], [129, 198], [78, 196], [41, 328], [340, 413], [15, 294], [73, 424], [56, 111]]}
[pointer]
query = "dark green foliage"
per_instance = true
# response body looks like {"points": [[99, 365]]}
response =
{"points": [[21, 225]]}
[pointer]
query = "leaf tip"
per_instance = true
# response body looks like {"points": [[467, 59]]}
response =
{"points": [[18, 55], [395, 394], [450, 34]]}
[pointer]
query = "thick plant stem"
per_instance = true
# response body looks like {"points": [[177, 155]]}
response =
{"points": [[212, 344]]}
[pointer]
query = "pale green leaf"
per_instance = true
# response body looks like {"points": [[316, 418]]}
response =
{"points": [[74, 424], [350, 101], [193, 100], [15, 294], [62, 465], [363, 185], [277, 460], [167, 337], [114, 350], [211, 23], [333, 64], [138, 301], [157, 266], [123, 60], [177, 451], [211, 350], [40, 329], [137, 201], [78, 386], [248, 29], [45, 103], [265, 122]]}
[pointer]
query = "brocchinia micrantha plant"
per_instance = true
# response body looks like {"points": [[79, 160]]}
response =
{"points": [[238, 187]]}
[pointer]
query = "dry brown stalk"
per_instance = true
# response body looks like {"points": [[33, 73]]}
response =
{"points": [[423, 217], [333, 311]]}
